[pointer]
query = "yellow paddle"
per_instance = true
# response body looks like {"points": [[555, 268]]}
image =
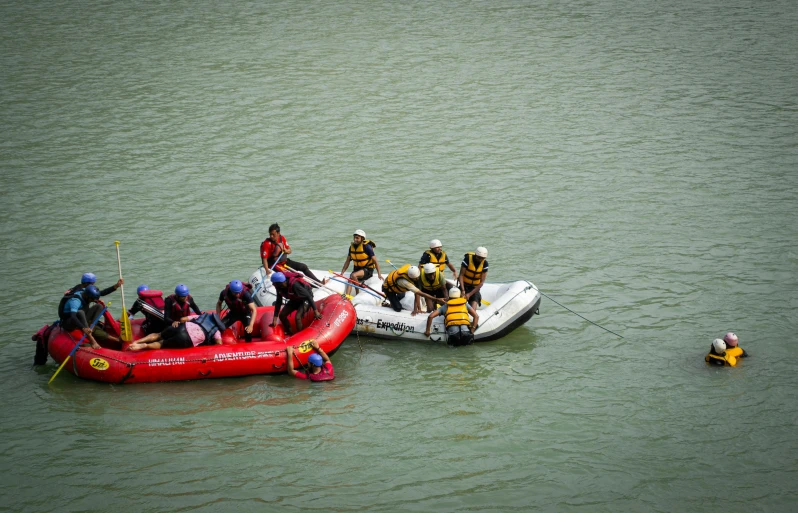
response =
{"points": [[126, 330], [484, 300]]}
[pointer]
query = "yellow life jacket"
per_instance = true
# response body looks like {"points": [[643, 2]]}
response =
{"points": [[735, 351], [456, 312], [727, 359], [391, 281], [440, 261], [359, 257], [435, 284], [472, 275]]}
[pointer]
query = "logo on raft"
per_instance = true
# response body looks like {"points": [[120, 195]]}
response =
{"points": [[305, 346], [99, 364], [395, 327]]}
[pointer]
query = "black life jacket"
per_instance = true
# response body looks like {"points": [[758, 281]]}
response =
{"points": [[76, 288], [83, 305], [237, 305], [210, 324], [290, 280]]}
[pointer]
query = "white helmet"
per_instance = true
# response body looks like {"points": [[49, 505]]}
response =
{"points": [[482, 252], [430, 268], [414, 273], [361, 233], [719, 345], [435, 243], [454, 293]]}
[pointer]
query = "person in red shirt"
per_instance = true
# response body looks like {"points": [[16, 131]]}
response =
{"points": [[276, 248], [321, 368]]}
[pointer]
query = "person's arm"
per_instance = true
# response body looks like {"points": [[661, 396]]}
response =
{"points": [[451, 267], [744, 355], [324, 357], [429, 321], [412, 288], [278, 306], [112, 288], [136, 308], [167, 312], [194, 306], [253, 314], [285, 247], [416, 305], [219, 308], [475, 318], [346, 263], [289, 355], [460, 278]]}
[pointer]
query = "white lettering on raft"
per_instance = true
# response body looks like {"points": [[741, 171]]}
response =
{"points": [[167, 361], [341, 318], [243, 355]]}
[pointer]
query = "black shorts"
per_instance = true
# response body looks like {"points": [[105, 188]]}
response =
{"points": [[368, 272], [176, 338], [459, 335], [292, 305], [476, 297], [231, 318]]}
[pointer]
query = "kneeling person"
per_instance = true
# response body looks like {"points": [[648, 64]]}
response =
{"points": [[204, 330], [241, 307], [321, 368], [402, 280], [459, 330], [299, 294]]}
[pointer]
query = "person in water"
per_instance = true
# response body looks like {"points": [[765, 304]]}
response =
{"points": [[722, 353], [178, 306], [289, 285], [276, 249], [72, 312], [321, 368], [204, 330], [241, 307], [473, 273], [361, 254], [459, 330], [436, 255], [151, 303], [434, 284], [403, 280]]}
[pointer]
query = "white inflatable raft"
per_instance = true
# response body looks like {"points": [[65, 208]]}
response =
{"points": [[510, 305]]}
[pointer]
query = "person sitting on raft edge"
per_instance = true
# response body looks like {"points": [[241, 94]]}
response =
{"points": [[725, 352], [321, 368], [204, 330], [275, 248]]}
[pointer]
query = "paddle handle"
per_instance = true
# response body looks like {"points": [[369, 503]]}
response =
{"points": [[388, 261], [119, 265], [356, 283]]}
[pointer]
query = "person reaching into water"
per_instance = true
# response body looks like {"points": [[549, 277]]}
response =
{"points": [[178, 306], [473, 273], [321, 368], [204, 330], [436, 255], [459, 330], [289, 285], [361, 254], [274, 248], [241, 307]]}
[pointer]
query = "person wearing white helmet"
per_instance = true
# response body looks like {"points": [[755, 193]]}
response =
{"points": [[725, 351], [434, 284], [473, 273], [361, 254], [436, 255], [398, 282], [459, 329]]}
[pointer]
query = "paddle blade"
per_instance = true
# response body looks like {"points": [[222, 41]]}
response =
{"points": [[126, 331], [59, 369]]}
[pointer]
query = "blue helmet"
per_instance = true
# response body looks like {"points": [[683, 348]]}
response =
{"points": [[236, 286], [278, 278], [88, 278], [141, 289], [92, 292], [181, 290], [315, 359]]}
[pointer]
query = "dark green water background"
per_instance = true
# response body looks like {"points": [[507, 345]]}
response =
{"points": [[636, 160]]}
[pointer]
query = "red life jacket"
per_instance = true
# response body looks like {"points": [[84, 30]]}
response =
{"points": [[153, 298], [274, 252], [290, 279], [179, 310], [323, 375], [237, 304]]}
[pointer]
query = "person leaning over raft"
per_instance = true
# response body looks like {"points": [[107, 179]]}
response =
{"points": [[321, 368], [434, 284], [241, 307], [361, 254], [459, 330], [72, 312], [178, 306], [204, 330], [299, 294], [473, 273], [276, 246], [94, 310], [400, 281], [152, 304], [436, 255]]}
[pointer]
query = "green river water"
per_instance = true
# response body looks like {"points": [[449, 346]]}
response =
{"points": [[637, 161]]}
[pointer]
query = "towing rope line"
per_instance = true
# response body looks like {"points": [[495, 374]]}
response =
{"points": [[585, 318]]}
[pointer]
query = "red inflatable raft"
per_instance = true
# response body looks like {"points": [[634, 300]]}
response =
{"points": [[264, 355]]}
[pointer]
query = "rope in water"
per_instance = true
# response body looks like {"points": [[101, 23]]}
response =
{"points": [[588, 320]]}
